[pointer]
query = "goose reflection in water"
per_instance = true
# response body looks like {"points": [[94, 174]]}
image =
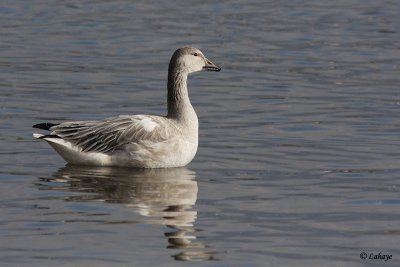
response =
{"points": [[165, 196]]}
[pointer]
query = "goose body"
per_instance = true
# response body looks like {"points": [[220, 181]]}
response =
{"points": [[142, 141]]}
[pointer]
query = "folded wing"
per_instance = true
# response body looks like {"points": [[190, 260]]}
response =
{"points": [[111, 134]]}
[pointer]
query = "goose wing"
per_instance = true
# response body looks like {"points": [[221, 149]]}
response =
{"points": [[110, 134]]}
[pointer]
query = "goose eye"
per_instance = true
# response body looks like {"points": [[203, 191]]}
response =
{"points": [[195, 54]]}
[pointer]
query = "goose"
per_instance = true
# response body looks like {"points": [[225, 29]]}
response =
{"points": [[139, 141]]}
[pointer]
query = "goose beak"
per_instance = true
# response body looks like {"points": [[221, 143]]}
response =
{"points": [[210, 66]]}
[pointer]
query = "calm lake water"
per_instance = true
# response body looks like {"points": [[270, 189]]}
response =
{"points": [[298, 161]]}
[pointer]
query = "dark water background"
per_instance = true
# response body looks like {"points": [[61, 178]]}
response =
{"points": [[298, 163]]}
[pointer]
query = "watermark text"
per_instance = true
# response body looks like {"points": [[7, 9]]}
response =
{"points": [[376, 256]]}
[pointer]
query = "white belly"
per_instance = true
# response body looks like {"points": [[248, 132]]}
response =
{"points": [[171, 153]]}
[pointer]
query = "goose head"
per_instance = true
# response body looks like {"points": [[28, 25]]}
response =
{"points": [[189, 60]]}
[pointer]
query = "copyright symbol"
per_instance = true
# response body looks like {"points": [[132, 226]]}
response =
{"points": [[363, 255]]}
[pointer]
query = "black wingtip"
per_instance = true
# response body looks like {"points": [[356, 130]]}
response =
{"points": [[44, 125], [49, 136], [38, 136]]}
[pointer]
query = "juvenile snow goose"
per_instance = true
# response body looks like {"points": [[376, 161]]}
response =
{"points": [[142, 141]]}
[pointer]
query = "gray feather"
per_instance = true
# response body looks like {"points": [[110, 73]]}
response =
{"points": [[113, 133]]}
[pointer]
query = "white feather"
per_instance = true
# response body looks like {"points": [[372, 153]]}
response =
{"points": [[148, 124], [37, 136]]}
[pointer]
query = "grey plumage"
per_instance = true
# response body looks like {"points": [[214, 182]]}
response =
{"points": [[111, 134], [145, 141]]}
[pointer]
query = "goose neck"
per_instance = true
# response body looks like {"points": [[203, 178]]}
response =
{"points": [[178, 98]]}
